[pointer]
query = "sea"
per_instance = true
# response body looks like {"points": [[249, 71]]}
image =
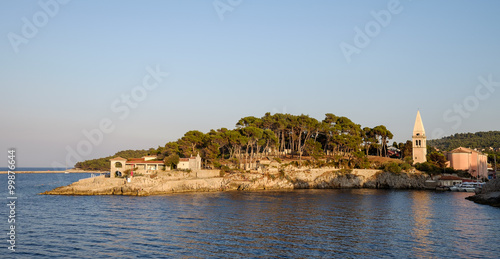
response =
{"points": [[338, 223]]}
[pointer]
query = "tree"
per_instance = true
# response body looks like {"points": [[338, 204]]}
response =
{"points": [[171, 148], [269, 139], [235, 141], [407, 149], [383, 134], [306, 126], [313, 148], [190, 141], [172, 160], [368, 138], [210, 149], [249, 121], [436, 158], [252, 134]]}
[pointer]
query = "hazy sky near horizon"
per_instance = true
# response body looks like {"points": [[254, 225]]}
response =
{"points": [[65, 67]]}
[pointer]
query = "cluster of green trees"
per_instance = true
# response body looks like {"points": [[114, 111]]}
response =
{"points": [[336, 137], [279, 134]]}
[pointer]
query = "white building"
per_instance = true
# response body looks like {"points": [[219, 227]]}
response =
{"points": [[192, 163]]}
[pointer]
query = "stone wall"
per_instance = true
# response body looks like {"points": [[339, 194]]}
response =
{"points": [[207, 173]]}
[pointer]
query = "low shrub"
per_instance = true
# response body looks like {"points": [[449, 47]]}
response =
{"points": [[405, 166], [392, 167]]}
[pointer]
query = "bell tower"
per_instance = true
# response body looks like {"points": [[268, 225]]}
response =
{"points": [[419, 141]]}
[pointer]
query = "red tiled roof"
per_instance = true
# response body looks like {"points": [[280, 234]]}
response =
{"points": [[142, 161], [147, 162], [136, 160], [139, 161], [184, 159], [463, 150]]}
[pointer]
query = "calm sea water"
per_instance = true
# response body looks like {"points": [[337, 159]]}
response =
{"points": [[36, 169], [302, 223]]}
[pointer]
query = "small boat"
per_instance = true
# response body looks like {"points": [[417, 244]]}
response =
{"points": [[470, 189], [471, 186], [66, 172], [454, 188]]}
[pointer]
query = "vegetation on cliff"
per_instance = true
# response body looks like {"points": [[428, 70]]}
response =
{"points": [[335, 138]]}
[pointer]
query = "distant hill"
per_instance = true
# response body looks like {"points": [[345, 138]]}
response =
{"points": [[480, 140]]}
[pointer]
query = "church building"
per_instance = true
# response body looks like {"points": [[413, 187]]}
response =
{"points": [[419, 141]]}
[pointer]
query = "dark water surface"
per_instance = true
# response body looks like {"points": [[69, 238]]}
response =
{"points": [[302, 223]]}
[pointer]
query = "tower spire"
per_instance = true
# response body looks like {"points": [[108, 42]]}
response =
{"points": [[418, 128], [419, 141]]}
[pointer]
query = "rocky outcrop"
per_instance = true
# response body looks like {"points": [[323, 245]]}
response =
{"points": [[291, 179], [386, 180], [489, 195], [140, 186]]}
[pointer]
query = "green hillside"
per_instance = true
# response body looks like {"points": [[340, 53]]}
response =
{"points": [[480, 140]]}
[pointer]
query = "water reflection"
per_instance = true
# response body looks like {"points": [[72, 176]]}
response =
{"points": [[421, 210], [301, 223]]}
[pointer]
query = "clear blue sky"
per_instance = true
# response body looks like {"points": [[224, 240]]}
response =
{"points": [[263, 56]]}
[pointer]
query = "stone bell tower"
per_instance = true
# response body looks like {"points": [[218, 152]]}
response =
{"points": [[419, 141]]}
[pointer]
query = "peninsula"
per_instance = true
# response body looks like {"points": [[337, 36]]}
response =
{"points": [[216, 180], [281, 151]]}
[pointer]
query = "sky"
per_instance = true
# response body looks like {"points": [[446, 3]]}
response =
{"points": [[85, 79]]}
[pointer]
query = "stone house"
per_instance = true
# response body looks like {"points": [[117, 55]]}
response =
{"points": [[143, 165], [192, 163]]}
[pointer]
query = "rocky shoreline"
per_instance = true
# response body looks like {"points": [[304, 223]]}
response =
{"points": [[489, 195], [178, 181]]}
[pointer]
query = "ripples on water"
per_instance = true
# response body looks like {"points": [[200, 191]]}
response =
{"points": [[302, 223]]}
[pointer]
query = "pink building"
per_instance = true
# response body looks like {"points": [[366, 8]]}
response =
{"points": [[469, 160]]}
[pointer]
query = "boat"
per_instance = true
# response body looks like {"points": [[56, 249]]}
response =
{"points": [[470, 189], [471, 186], [461, 187]]}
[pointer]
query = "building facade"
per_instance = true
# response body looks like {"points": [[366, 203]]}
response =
{"points": [[419, 141], [144, 165], [192, 163], [469, 160]]}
